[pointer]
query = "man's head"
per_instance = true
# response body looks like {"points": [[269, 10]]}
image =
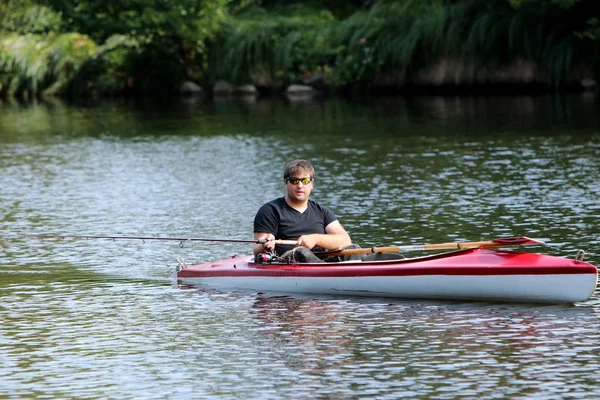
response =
{"points": [[293, 168], [298, 176]]}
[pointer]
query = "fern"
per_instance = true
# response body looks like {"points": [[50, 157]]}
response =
{"points": [[281, 42], [39, 63]]}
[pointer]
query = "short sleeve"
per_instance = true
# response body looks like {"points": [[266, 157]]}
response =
{"points": [[266, 219], [328, 216]]}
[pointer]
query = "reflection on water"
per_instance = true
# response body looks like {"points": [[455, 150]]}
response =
{"points": [[97, 318], [428, 349]]}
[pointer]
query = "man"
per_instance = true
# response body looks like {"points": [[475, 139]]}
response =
{"points": [[296, 217]]}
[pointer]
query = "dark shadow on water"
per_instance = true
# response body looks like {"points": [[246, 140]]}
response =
{"points": [[384, 116]]}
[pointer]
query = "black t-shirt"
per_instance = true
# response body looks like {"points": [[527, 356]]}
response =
{"points": [[283, 221]]}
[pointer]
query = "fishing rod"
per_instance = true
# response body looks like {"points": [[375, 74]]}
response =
{"points": [[143, 238]]}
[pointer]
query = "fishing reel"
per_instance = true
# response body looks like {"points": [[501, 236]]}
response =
{"points": [[264, 258]]}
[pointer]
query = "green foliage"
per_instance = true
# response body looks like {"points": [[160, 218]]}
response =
{"points": [[565, 4], [145, 45], [154, 45], [288, 42], [340, 9], [27, 17], [541, 31], [280, 45], [41, 60], [171, 35], [592, 30], [403, 36], [147, 20], [108, 70], [42, 63]]}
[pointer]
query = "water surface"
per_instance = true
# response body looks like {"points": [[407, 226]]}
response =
{"points": [[104, 319]]}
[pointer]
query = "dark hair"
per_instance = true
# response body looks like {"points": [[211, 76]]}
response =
{"points": [[293, 167]]}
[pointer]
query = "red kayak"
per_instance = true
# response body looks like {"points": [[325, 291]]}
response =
{"points": [[478, 274]]}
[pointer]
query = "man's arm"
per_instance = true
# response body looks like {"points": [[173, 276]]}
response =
{"points": [[335, 237]]}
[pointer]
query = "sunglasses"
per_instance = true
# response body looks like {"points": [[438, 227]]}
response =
{"points": [[295, 181]]}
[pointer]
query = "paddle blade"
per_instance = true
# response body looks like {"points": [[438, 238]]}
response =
{"points": [[516, 241]]}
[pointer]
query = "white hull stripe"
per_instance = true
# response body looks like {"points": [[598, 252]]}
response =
{"points": [[559, 288]]}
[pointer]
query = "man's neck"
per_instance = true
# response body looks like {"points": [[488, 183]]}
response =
{"points": [[299, 206]]}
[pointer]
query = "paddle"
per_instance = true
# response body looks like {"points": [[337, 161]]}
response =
{"points": [[501, 242]]}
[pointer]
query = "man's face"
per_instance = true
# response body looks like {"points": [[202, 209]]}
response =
{"points": [[296, 190]]}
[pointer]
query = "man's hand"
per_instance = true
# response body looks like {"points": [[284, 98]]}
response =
{"points": [[308, 241], [335, 237], [269, 245]]}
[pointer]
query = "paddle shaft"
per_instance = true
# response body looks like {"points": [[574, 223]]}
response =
{"points": [[521, 241]]}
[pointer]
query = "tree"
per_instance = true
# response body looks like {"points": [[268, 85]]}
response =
{"points": [[170, 35]]}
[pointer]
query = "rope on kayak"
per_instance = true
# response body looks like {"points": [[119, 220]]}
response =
{"points": [[181, 264], [579, 256]]}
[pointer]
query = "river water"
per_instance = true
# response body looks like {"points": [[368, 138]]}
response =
{"points": [[105, 319]]}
